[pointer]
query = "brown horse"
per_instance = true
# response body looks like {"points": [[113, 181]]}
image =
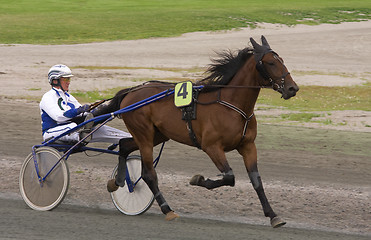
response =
{"points": [[225, 119]]}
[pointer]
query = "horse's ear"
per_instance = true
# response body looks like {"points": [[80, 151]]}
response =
{"points": [[255, 44], [265, 42]]}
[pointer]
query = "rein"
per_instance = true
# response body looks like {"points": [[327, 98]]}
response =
{"points": [[97, 103], [145, 85], [228, 86]]}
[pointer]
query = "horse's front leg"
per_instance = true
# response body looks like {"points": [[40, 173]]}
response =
{"points": [[249, 153], [217, 155]]}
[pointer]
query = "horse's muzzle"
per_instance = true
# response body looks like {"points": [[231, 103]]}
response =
{"points": [[289, 92]]}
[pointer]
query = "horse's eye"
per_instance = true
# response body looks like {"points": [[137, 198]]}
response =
{"points": [[270, 63]]}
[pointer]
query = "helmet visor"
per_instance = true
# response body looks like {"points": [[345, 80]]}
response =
{"points": [[66, 75]]}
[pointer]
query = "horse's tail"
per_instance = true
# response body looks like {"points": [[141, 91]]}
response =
{"points": [[114, 103]]}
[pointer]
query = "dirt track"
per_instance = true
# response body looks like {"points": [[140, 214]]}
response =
{"points": [[314, 178]]}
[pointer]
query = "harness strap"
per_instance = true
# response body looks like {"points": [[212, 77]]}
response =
{"points": [[242, 113], [189, 113], [192, 134], [231, 106]]}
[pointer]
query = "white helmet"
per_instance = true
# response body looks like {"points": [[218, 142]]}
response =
{"points": [[58, 71]]}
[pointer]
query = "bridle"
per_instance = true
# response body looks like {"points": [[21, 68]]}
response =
{"points": [[265, 74]]}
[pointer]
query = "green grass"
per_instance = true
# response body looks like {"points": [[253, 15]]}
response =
{"points": [[34, 89], [93, 96], [305, 117], [309, 98], [300, 117], [188, 70], [81, 21], [338, 74], [319, 98]]}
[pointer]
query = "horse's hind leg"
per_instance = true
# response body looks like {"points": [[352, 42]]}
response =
{"points": [[149, 175], [217, 155], [146, 136], [250, 159], [126, 146]]}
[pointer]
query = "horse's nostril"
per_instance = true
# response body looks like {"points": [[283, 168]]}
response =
{"points": [[294, 89]]}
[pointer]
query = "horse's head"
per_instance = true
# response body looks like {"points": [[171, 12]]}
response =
{"points": [[272, 69]]}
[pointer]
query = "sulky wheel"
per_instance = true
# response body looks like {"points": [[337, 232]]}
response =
{"points": [[49, 193], [138, 201]]}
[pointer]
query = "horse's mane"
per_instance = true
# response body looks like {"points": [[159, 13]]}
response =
{"points": [[221, 72], [225, 66]]}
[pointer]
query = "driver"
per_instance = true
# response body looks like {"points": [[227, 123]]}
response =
{"points": [[60, 112]]}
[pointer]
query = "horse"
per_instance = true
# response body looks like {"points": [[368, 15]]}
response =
{"points": [[225, 120]]}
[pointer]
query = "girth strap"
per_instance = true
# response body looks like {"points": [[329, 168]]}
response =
{"points": [[189, 114], [192, 134]]}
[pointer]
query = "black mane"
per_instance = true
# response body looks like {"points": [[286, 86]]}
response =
{"points": [[221, 72], [225, 66]]}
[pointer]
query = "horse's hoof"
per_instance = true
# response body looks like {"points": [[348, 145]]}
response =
{"points": [[111, 185], [171, 216], [197, 180], [277, 222]]}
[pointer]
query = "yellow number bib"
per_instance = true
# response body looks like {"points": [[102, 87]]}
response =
{"points": [[183, 94]]}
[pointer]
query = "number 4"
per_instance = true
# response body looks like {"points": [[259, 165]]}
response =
{"points": [[183, 94], [183, 91]]}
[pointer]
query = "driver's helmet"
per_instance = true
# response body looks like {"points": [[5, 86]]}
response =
{"points": [[58, 71]]}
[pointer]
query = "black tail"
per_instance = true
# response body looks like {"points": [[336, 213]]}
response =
{"points": [[113, 105], [115, 102]]}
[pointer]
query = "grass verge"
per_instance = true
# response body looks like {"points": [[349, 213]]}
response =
{"points": [[320, 98], [77, 21]]}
